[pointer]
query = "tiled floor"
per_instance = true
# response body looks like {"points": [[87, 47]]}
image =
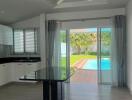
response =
{"points": [[21, 91], [83, 86], [93, 92], [76, 91]]}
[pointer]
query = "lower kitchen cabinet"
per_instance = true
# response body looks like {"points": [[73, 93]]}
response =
{"points": [[30, 67], [17, 71], [20, 69], [11, 72], [4, 74]]}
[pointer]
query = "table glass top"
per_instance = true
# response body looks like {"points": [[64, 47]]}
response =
{"points": [[46, 74]]}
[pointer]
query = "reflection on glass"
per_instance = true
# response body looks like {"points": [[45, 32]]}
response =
{"points": [[105, 55], [63, 50]]}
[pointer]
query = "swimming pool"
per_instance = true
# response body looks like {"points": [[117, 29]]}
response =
{"points": [[92, 64]]}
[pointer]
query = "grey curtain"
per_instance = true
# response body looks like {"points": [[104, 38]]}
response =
{"points": [[51, 31], [119, 51], [53, 48]]}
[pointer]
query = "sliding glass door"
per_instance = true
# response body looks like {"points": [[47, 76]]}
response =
{"points": [[87, 50], [104, 55], [65, 59]]}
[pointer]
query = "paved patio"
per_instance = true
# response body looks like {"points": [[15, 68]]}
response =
{"points": [[79, 64], [85, 76]]}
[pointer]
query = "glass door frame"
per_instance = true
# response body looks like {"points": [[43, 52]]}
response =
{"points": [[68, 72], [99, 71], [99, 55]]}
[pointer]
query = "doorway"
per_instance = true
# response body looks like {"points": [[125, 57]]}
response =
{"points": [[89, 54]]}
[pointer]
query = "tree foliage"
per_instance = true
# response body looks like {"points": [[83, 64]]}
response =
{"points": [[82, 40], [106, 38]]}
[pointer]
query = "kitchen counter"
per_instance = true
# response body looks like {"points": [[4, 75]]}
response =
{"points": [[19, 59]]}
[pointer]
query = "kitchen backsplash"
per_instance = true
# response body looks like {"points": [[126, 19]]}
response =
{"points": [[7, 51]]}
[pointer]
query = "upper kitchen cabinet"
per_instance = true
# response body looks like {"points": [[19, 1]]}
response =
{"points": [[1, 34], [6, 35]]}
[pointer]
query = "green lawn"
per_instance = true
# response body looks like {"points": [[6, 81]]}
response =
{"points": [[75, 58]]}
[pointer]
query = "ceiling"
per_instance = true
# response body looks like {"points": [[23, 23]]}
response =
{"points": [[16, 10], [78, 5]]}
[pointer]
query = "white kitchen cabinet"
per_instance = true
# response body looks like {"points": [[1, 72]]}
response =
{"points": [[30, 67], [11, 72], [8, 72], [1, 34], [20, 69], [4, 74], [6, 35]]}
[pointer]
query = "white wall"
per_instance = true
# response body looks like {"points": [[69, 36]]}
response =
{"points": [[86, 14], [94, 15], [42, 40], [86, 24], [129, 43], [35, 21], [29, 23], [39, 21]]}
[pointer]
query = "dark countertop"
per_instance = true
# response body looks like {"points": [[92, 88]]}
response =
{"points": [[19, 59]]}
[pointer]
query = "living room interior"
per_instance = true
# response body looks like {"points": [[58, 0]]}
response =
{"points": [[65, 50]]}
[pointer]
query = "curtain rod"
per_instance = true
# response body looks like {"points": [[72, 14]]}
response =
{"points": [[85, 19]]}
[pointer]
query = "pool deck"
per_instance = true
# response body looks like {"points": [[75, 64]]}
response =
{"points": [[85, 76], [79, 64]]}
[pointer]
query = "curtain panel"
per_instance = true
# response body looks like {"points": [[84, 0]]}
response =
{"points": [[51, 31], [53, 46], [119, 67]]}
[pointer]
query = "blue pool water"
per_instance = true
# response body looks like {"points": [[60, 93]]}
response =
{"points": [[92, 64]]}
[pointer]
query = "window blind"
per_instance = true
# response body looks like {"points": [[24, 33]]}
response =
{"points": [[18, 41], [25, 41], [30, 41]]}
